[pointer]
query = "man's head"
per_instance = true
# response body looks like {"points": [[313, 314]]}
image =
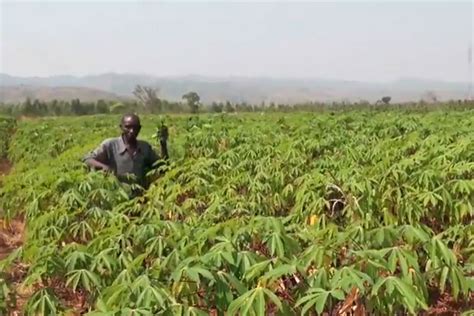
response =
{"points": [[130, 126]]}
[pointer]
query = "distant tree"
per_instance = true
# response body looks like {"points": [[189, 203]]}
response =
{"points": [[76, 106], [283, 107], [39, 108], [117, 108], [217, 107], [7, 109], [27, 107], [229, 108], [243, 107], [271, 107], [101, 107], [147, 96], [430, 96], [386, 99], [55, 108], [192, 98]]}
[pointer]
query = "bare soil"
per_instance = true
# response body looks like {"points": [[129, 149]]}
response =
{"points": [[5, 166], [11, 236]]}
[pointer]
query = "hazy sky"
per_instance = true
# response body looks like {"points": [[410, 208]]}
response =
{"points": [[366, 41]]}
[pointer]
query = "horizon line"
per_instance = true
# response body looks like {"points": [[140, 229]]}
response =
{"points": [[231, 76]]}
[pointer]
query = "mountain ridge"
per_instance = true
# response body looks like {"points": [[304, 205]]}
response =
{"points": [[244, 89]]}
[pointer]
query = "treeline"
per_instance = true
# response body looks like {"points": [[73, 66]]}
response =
{"points": [[76, 107]]}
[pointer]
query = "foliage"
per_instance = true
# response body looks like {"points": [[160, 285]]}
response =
{"points": [[386, 99], [275, 213], [193, 100], [7, 125], [148, 98], [147, 102]]}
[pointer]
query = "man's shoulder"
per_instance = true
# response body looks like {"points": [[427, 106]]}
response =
{"points": [[111, 140], [143, 143]]}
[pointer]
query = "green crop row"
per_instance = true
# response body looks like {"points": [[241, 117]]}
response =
{"points": [[268, 214], [7, 126]]}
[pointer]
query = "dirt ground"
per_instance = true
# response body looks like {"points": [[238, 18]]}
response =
{"points": [[5, 166], [11, 236], [11, 233]]}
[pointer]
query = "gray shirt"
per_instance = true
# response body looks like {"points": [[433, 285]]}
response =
{"points": [[113, 153]]}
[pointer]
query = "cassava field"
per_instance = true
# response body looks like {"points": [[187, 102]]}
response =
{"points": [[348, 213]]}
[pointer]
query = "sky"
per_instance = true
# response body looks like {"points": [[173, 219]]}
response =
{"points": [[362, 41]]}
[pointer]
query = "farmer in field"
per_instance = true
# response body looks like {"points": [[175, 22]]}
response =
{"points": [[125, 156]]}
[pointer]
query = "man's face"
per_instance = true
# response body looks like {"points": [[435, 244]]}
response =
{"points": [[130, 128]]}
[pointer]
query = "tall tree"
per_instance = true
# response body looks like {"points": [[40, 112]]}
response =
{"points": [[386, 100], [147, 96], [193, 100]]}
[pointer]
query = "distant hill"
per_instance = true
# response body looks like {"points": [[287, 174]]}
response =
{"points": [[19, 93], [237, 89]]}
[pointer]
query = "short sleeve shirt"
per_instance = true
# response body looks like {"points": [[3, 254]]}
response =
{"points": [[128, 167]]}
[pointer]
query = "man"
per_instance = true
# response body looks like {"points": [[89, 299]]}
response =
{"points": [[125, 156]]}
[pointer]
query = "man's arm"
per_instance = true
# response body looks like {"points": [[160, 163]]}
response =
{"points": [[98, 158], [152, 157]]}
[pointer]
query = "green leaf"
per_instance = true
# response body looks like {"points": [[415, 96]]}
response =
{"points": [[321, 302], [257, 269], [278, 272], [273, 298], [442, 280], [339, 294], [260, 301], [239, 303]]}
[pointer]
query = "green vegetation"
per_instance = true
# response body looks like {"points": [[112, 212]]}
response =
{"points": [[193, 101], [7, 125], [256, 214], [147, 101]]}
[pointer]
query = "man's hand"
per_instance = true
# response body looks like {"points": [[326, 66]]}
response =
{"points": [[98, 165], [106, 169]]}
